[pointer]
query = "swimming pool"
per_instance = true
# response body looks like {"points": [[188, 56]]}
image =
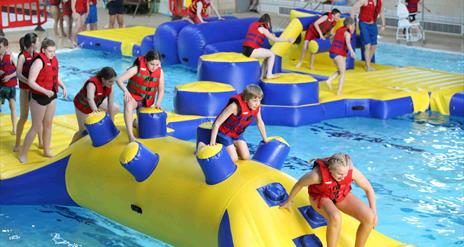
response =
{"points": [[414, 163]]}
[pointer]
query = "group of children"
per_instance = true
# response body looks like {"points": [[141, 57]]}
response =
{"points": [[329, 183], [78, 14]]}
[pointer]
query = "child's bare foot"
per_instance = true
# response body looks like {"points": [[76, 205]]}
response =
{"points": [[22, 159], [329, 84], [369, 68], [40, 145], [271, 76], [13, 132], [298, 65], [16, 149], [48, 154], [311, 67], [339, 92], [131, 139]]}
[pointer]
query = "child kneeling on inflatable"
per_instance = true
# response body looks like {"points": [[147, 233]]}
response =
{"points": [[145, 87], [228, 127], [96, 95], [329, 189]]}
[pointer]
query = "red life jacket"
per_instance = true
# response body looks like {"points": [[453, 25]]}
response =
{"points": [[66, 8], [325, 26], [254, 38], [412, 5], [144, 85], [48, 75], [8, 67], [101, 92], [234, 125], [371, 11], [28, 59], [54, 2], [193, 7], [81, 6], [339, 45], [329, 187]]}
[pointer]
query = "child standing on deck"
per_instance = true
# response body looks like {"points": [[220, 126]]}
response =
{"points": [[8, 81], [145, 83], [92, 18], [329, 190], [319, 29], [25, 58], [341, 44], [230, 124], [44, 82]]}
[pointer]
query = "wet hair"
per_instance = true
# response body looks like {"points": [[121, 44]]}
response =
{"points": [[4, 41], [336, 160], [252, 91], [106, 73], [47, 43], [27, 40], [267, 19], [152, 55], [348, 21], [335, 11]]}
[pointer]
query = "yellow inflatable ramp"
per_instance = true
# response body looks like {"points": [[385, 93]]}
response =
{"points": [[124, 41]]}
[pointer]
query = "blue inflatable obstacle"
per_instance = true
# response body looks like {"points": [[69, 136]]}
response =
{"points": [[203, 98], [166, 35], [230, 68], [273, 152], [457, 105], [193, 39], [291, 100], [151, 122]]}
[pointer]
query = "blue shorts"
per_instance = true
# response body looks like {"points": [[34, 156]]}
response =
{"points": [[333, 55], [368, 33], [92, 17], [227, 140], [116, 7]]}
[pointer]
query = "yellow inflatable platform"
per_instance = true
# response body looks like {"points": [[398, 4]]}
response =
{"points": [[173, 203]]}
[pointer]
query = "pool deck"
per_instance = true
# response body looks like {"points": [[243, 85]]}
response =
{"points": [[438, 41]]}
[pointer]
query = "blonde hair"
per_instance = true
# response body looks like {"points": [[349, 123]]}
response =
{"points": [[252, 91], [338, 159]]}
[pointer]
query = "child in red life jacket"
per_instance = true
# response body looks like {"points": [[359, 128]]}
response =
{"points": [[329, 190], [198, 10], [254, 41], [229, 126], [96, 95], [43, 81], [25, 59], [8, 81], [341, 45], [145, 84], [319, 29]]}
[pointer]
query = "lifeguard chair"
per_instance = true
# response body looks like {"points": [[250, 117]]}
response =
{"points": [[406, 30]]}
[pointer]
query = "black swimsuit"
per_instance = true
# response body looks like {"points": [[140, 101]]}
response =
{"points": [[43, 99]]}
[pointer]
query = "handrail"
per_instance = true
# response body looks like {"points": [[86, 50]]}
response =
{"points": [[21, 13]]}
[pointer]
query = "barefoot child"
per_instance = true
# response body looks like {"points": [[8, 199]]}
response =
{"points": [[319, 29], [25, 59], [96, 95], [44, 82], [254, 40], [329, 189], [341, 44], [145, 83], [229, 126], [8, 81]]}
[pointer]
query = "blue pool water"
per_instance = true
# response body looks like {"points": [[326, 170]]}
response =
{"points": [[415, 164]]}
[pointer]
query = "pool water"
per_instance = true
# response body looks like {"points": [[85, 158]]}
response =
{"points": [[415, 164]]}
